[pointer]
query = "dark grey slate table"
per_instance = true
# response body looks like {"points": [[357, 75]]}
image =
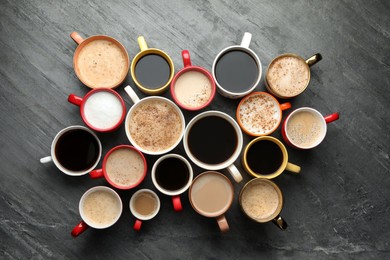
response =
{"points": [[337, 209]]}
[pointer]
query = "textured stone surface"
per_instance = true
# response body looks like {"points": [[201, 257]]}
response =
{"points": [[337, 209]]}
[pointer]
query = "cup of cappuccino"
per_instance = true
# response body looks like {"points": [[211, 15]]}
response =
{"points": [[211, 195], [259, 113], [144, 205], [100, 61], [237, 69], [266, 157], [305, 127], [75, 151], [262, 201], [152, 69], [154, 125], [172, 175], [100, 207], [124, 167], [213, 141], [288, 75], [102, 110], [193, 87]]}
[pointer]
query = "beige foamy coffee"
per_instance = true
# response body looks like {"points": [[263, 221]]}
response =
{"points": [[155, 125], [125, 167], [193, 89], [261, 200], [145, 204], [102, 64], [288, 75]]}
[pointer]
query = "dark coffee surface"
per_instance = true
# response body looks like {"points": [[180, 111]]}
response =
{"points": [[172, 174], [264, 157], [152, 71]]}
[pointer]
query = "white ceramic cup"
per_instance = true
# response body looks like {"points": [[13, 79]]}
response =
{"points": [[140, 217]]}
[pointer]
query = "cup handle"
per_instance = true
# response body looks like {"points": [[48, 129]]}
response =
{"points": [[235, 173], [285, 106], [75, 100], [280, 222], [293, 168], [46, 159], [80, 228], [133, 96], [332, 117], [76, 37], [222, 223], [137, 225], [185, 54], [246, 40], [96, 174], [177, 203], [142, 43], [314, 59]]}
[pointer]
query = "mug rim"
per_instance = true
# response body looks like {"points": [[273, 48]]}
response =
{"points": [[182, 189], [94, 189], [135, 213], [59, 165], [88, 95], [94, 38], [282, 166]]}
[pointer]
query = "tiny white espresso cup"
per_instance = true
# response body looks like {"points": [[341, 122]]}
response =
{"points": [[140, 217]]}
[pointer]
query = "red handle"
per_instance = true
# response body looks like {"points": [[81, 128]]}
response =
{"points": [[285, 106], [137, 225], [80, 228], [76, 37], [186, 58], [177, 203], [75, 100], [96, 174], [332, 117]]}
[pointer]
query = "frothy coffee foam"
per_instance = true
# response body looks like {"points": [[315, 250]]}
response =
{"points": [[288, 76], [101, 208], [260, 200], [155, 125], [304, 128], [125, 167], [259, 114], [102, 64], [103, 110], [193, 89]]}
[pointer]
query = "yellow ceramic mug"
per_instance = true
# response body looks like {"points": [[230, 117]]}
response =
{"points": [[151, 69], [267, 157]]}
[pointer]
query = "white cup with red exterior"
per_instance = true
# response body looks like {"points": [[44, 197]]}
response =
{"points": [[100, 207], [144, 205], [172, 175], [102, 109], [305, 127]]}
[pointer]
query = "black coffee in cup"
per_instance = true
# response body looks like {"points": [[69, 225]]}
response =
{"points": [[172, 174], [152, 71], [264, 157]]}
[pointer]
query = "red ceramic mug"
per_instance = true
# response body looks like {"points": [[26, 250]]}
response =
{"points": [[193, 87], [102, 110], [305, 127], [124, 167]]}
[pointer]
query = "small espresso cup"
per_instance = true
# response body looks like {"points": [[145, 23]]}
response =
{"points": [[100, 61], [124, 167], [305, 127], [102, 110], [151, 69], [211, 195], [288, 75], [154, 125], [237, 69], [267, 157], [213, 141], [262, 201], [144, 205], [172, 175], [75, 151], [259, 113], [193, 87], [100, 207]]}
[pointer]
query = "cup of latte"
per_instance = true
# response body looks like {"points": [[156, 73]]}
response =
{"points": [[288, 75], [144, 205], [305, 128]]}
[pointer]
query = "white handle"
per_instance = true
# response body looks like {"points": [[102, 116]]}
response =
{"points": [[133, 96], [46, 159], [235, 173], [246, 40]]}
